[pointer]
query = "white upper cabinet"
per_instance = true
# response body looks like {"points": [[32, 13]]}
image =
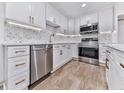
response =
{"points": [[120, 8], [64, 24], [52, 14], [38, 14], [77, 25], [71, 25], [17, 11], [89, 19], [92, 18], [83, 20], [106, 19], [30, 13]]}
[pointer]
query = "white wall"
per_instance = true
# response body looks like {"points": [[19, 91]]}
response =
{"points": [[121, 31]]}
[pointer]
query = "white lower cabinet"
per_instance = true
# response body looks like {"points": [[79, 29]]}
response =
{"points": [[17, 67], [115, 71], [18, 82], [57, 54], [116, 79], [102, 53], [61, 55]]}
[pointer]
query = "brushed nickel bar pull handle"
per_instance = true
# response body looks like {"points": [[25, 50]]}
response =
{"points": [[106, 63], [20, 64], [56, 46], [19, 82], [19, 51], [122, 65], [61, 53], [63, 46], [108, 51], [30, 19]]}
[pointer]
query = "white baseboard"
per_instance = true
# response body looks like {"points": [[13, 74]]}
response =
{"points": [[75, 58], [101, 63], [60, 65]]}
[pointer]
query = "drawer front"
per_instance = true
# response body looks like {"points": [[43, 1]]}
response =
{"points": [[102, 50], [18, 82], [56, 46], [18, 65], [102, 58], [116, 78], [120, 64], [18, 51]]}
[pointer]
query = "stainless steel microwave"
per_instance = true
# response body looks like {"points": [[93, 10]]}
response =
{"points": [[93, 28]]}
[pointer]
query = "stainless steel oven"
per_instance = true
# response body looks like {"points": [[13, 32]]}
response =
{"points": [[88, 51]]}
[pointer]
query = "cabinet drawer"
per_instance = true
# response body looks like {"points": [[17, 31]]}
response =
{"points": [[18, 65], [116, 78], [102, 58], [102, 50], [119, 54], [18, 51], [18, 82], [56, 46], [120, 65]]}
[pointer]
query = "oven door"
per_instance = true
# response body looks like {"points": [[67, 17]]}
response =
{"points": [[89, 55], [88, 52]]}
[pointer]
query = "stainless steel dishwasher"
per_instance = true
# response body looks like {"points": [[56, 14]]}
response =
{"points": [[41, 61]]}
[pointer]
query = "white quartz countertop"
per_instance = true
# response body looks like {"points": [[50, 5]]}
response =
{"points": [[36, 43], [119, 47]]}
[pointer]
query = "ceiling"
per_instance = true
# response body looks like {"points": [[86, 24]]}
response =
{"points": [[73, 9]]}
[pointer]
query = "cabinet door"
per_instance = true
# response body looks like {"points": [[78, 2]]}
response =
{"points": [[77, 25], [1, 40], [38, 14], [83, 20], [64, 53], [18, 11], [106, 20], [116, 80], [92, 18], [52, 14], [58, 17], [1, 64], [69, 53], [71, 26], [57, 56], [120, 8], [102, 53], [74, 52], [63, 24], [49, 12]]}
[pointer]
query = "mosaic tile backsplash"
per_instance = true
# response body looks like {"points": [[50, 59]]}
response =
{"points": [[19, 35]]}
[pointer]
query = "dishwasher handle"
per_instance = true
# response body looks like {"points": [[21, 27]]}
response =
{"points": [[38, 49]]}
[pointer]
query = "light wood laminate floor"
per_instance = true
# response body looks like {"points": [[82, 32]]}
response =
{"points": [[75, 76]]}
